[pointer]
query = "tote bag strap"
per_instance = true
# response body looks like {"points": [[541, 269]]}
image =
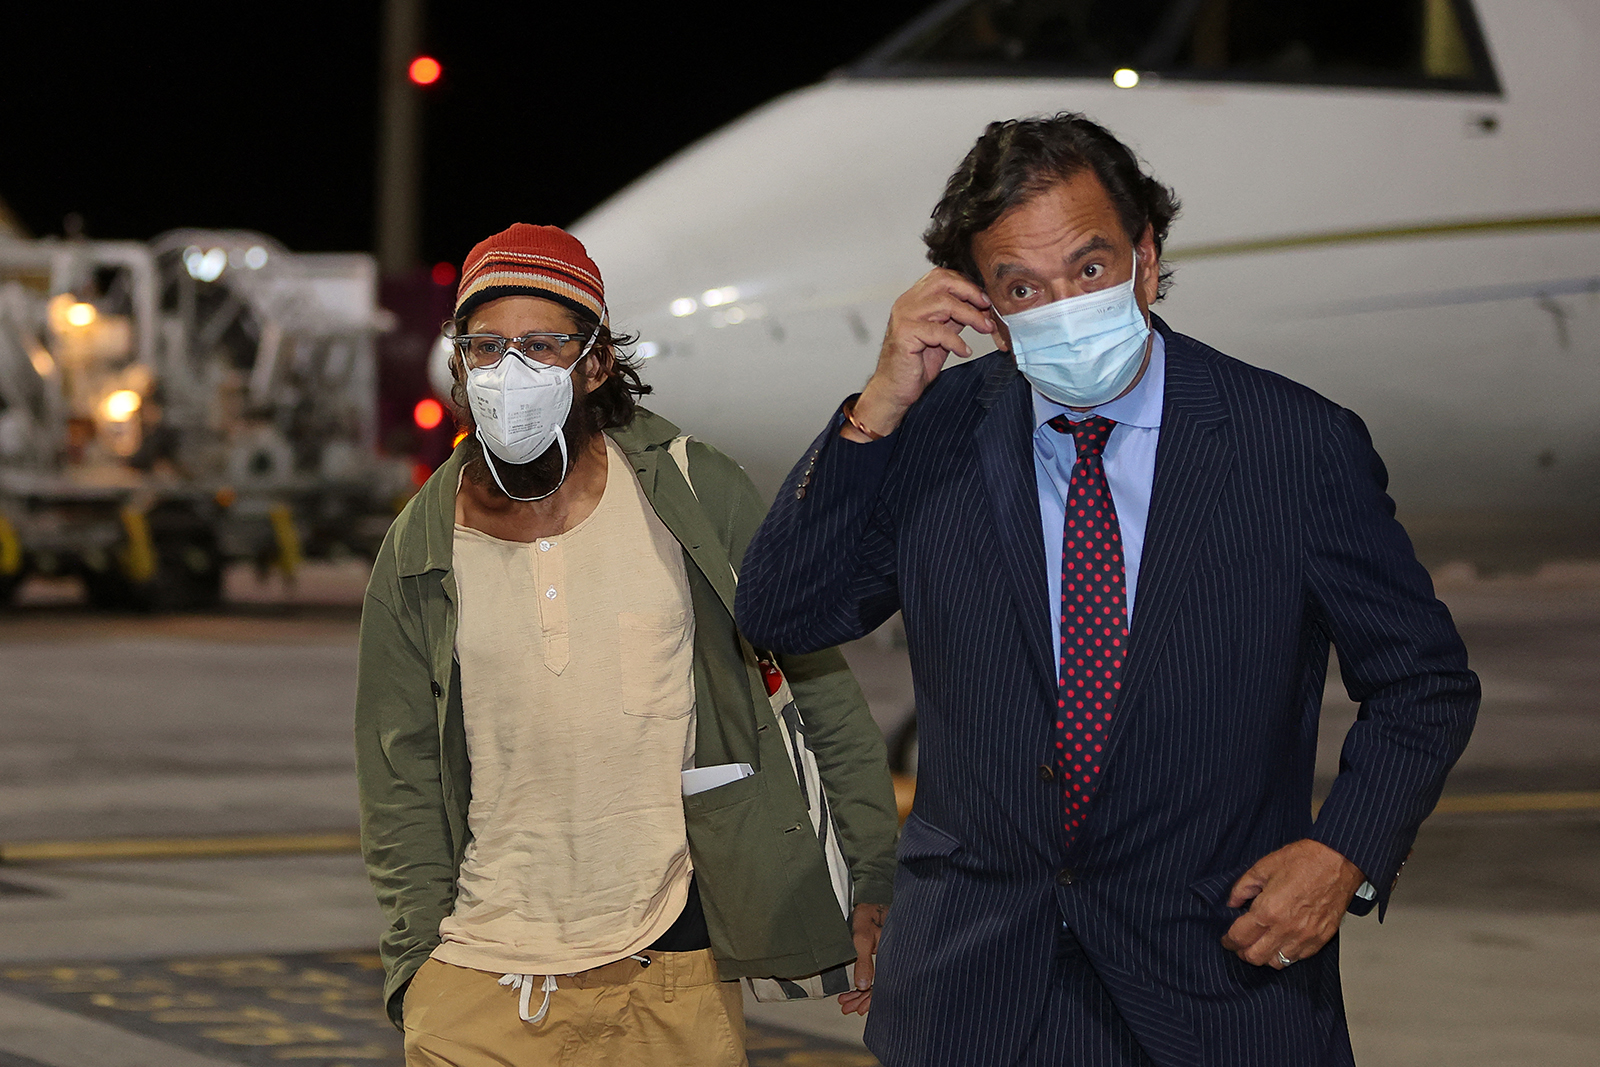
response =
{"points": [[803, 762]]}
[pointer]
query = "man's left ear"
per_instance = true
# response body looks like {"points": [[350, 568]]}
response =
{"points": [[1002, 336], [1149, 266], [599, 369]]}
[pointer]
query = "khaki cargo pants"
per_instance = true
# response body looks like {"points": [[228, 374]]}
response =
{"points": [[673, 1012]]}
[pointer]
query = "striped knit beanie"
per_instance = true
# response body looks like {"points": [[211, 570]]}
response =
{"points": [[525, 260]]}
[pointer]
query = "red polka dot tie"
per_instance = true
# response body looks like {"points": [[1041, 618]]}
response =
{"points": [[1094, 620]]}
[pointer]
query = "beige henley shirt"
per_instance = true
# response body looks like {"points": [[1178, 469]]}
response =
{"points": [[577, 685]]}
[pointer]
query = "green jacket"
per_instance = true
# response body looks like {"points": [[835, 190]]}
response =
{"points": [[769, 905]]}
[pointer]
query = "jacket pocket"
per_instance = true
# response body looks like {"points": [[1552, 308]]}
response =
{"points": [[764, 882], [920, 840], [1215, 889], [734, 792], [656, 655]]}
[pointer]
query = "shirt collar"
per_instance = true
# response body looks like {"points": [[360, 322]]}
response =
{"points": [[1141, 406]]}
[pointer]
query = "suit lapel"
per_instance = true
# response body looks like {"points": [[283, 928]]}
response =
{"points": [[1193, 457], [1004, 439]]}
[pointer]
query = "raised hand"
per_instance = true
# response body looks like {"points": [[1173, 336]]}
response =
{"points": [[924, 329]]}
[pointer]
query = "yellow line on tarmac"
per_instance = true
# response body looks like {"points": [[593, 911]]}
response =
{"points": [[905, 789], [1486, 803], [155, 848], [160, 848]]}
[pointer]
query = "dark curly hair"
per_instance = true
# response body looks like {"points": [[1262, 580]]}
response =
{"points": [[613, 403], [1015, 160]]}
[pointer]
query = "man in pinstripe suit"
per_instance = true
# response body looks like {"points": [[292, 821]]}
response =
{"points": [[1112, 858]]}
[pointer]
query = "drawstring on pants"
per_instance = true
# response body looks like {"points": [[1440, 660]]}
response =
{"points": [[524, 982]]}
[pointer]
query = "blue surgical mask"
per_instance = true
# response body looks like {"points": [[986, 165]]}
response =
{"points": [[1084, 350]]}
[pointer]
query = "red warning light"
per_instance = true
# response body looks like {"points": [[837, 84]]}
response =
{"points": [[444, 273], [428, 413], [425, 70]]}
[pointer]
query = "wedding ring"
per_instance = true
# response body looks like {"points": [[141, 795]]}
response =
{"points": [[1284, 961]]}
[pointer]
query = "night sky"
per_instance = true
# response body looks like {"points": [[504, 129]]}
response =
{"points": [[263, 116]]}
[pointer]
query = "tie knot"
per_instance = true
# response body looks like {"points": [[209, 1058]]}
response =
{"points": [[1089, 434]]}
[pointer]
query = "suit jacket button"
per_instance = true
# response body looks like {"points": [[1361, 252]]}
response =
{"points": [[1064, 876], [437, 691], [1045, 773], [800, 493]]}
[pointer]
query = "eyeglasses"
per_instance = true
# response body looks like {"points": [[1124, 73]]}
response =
{"points": [[481, 350]]}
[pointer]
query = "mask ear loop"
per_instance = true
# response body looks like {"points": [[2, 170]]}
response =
{"points": [[1135, 279], [561, 437], [561, 443]]}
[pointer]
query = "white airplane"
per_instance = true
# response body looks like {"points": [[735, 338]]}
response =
{"points": [[1395, 202]]}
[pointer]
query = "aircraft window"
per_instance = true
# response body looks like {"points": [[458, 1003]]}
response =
{"points": [[1424, 44]]}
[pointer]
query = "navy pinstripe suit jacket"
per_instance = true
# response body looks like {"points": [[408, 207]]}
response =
{"points": [[1270, 534]]}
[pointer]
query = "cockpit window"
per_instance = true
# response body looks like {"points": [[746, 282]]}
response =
{"points": [[1423, 44]]}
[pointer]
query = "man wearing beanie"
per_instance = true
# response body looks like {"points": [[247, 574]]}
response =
{"points": [[547, 643]]}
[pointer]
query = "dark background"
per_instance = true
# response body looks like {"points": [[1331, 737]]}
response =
{"points": [[141, 117]]}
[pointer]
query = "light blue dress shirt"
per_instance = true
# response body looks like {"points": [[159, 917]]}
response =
{"points": [[1130, 462]]}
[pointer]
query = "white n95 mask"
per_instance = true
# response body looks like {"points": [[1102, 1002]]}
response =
{"points": [[1084, 350], [519, 407]]}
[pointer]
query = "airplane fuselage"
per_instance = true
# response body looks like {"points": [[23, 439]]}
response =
{"points": [[1429, 259]]}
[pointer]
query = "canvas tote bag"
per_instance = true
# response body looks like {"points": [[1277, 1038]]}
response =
{"points": [[803, 762]]}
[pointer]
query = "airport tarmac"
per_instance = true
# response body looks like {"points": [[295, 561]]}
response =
{"points": [[225, 729]]}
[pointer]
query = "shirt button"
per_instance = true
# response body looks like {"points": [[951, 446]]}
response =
{"points": [[544, 546], [1064, 876], [550, 594], [1045, 773]]}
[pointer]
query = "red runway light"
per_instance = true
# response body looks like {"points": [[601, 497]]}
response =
{"points": [[425, 70], [428, 413], [443, 273]]}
